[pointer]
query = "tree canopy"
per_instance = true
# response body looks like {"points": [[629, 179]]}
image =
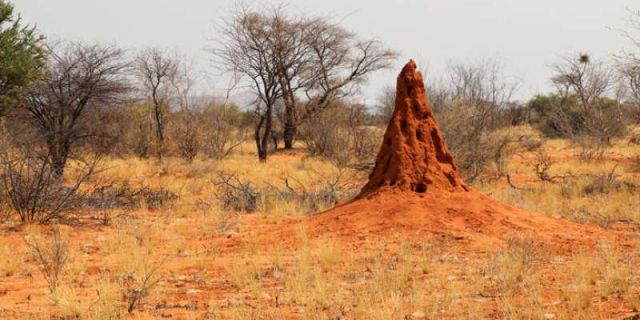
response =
{"points": [[21, 55]]}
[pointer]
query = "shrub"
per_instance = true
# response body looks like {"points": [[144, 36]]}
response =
{"points": [[341, 134], [143, 283], [513, 266], [322, 195], [52, 254], [469, 140], [186, 134], [221, 136], [559, 116], [606, 183], [542, 165], [235, 194], [123, 195], [33, 189]]}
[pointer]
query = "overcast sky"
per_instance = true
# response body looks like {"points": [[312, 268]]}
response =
{"points": [[527, 36]]}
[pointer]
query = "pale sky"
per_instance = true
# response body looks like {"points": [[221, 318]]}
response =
{"points": [[528, 36]]}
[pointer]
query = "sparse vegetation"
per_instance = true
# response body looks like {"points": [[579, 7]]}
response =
{"points": [[185, 218], [52, 254]]}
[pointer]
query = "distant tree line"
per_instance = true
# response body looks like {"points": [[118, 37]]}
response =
{"points": [[66, 100]]}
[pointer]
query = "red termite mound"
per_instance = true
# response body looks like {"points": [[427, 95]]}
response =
{"points": [[415, 188], [413, 156]]}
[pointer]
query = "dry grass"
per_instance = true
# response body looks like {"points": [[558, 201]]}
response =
{"points": [[208, 262]]}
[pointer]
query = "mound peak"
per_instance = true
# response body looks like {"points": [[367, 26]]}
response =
{"points": [[414, 156]]}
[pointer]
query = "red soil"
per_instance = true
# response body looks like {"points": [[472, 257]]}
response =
{"points": [[415, 188]]}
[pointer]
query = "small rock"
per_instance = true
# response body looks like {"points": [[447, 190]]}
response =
{"points": [[549, 316], [418, 315]]}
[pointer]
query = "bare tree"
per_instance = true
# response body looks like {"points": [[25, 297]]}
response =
{"points": [[332, 65], [78, 78], [305, 62], [587, 79], [246, 52], [157, 70], [630, 73], [591, 82]]}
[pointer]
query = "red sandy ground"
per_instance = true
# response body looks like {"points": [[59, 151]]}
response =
{"points": [[414, 190]]}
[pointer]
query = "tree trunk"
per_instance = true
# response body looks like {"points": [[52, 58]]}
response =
{"points": [[290, 131], [262, 155], [263, 134], [58, 154]]}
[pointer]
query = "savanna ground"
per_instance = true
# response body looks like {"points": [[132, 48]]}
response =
{"points": [[180, 247]]}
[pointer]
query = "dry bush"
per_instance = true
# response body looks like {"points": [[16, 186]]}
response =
{"points": [[606, 183], [366, 145], [185, 133], [244, 273], [509, 269], [140, 284], [136, 131], [468, 104], [340, 133], [325, 194], [616, 277], [236, 194], [542, 165], [220, 136], [123, 195], [326, 135], [139, 253], [579, 292], [470, 143], [51, 253], [589, 149], [223, 220], [33, 189]]}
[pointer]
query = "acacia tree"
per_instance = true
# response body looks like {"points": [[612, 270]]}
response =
{"points": [[21, 56], [78, 78], [598, 117], [157, 70], [319, 62], [307, 63], [583, 77]]}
